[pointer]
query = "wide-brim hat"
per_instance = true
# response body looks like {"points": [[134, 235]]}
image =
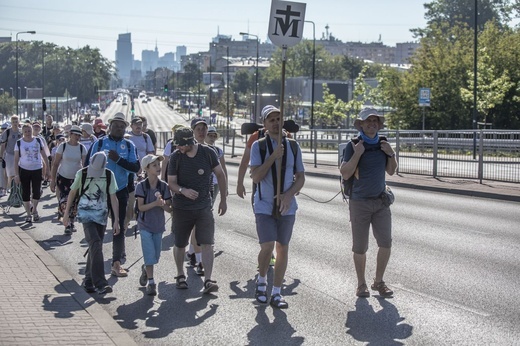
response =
{"points": [[213, 129], [76, 130], [365, 114], [119, 117], [97, 165]]}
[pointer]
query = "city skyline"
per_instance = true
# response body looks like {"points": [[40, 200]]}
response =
{"points": [[194, 27]]}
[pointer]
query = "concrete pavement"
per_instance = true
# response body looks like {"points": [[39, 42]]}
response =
{"points": [[41, 303]]}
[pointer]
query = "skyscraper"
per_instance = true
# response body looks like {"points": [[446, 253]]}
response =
{"points": [[124, 57]]}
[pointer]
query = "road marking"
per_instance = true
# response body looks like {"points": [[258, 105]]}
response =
{"points": [[444, 301]]}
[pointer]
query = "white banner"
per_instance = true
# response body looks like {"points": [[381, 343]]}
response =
{"points": [[286, 23]]}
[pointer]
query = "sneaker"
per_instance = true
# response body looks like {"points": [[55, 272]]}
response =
{"points": [[2, 192], [151, 289], [28, 219], [105, 289], [199, 269], [73, 228], [45, 183], [36, 217], [273, 261], [143, 278], [383, 289], [88, 288], [191, 259], [68, 230]]}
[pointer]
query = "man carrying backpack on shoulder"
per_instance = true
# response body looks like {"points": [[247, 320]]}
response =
{"points": [[274, 223], [368, 159], [93, 185]]}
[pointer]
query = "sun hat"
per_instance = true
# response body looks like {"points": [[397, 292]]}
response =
{"points": [[177, 126], [268, 110], [365, 114], [197, 121], [97, 165], [212, 129], [184, 137], [76, 130], [149, 159], [119, 117], [87, 128]]}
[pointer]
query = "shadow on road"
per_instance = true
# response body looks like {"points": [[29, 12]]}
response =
{"points": [[62, 303], [383, 327]]}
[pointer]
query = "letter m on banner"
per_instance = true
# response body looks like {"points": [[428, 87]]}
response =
{"points": [[286, 23]]}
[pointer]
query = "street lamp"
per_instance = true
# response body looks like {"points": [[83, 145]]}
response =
{"points": [[313, 77], [21, 32], [256, 73]]}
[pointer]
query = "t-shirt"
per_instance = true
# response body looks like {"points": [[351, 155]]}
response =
{"points": [[93, 205], [30, 154], [193, 173], [152, 135], [220, 153], [152, 220], [87, 142], [265, 205], [11, 140], [143, 144], [71, 159], [168, 148], [369, 177]]}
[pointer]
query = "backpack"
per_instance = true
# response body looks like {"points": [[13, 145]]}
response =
{"points": [[99, 145], [263, 143], [146, 188], [15, 197], [82, 189], [19, 144], [346, 185], [80, 148]]}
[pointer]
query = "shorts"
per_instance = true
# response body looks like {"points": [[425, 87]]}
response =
{"points": [[364, 213], [9, 165], [151, 246], [270, 229], [185, 220]]}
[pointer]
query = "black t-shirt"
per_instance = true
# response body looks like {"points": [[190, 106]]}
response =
{"points": [[193, 173], [153, 137]]}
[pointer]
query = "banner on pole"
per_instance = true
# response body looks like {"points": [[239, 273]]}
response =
{"points": [[286, 23]]}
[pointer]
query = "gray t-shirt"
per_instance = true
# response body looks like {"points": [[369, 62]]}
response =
{"points": [[143, 144], [152, 220], [71, 159], [369, 180], [10, 137], [193, 173]]}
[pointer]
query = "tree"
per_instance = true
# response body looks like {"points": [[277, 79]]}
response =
{"points": [[360, 95], [7, 104], [331, 111]]}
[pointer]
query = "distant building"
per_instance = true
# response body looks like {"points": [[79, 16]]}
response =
{"points": [[168, 61], [124, 57], [404, 51], [149, 60], [5, 39]]}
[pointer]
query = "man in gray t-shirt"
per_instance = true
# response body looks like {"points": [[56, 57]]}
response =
{"points": [[8, 141]]}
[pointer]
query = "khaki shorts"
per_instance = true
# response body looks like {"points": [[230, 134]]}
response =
{"points": [[9, 165], [364, 213]]}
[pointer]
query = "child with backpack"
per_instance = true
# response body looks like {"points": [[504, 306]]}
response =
{"points": [[92, 186], [153, 198]]}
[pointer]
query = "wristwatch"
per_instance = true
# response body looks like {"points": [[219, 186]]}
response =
{"points": [[180, 190], [390, 156]]}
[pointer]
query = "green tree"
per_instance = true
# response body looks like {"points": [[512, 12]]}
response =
{"points": [[331, 112], [7, 104], [360, 96]]}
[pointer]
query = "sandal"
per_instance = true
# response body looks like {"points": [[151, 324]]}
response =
{"points": [[278, 302], [210, 286], [362, 291], [383, 289], [181, 285], [261, 296]]}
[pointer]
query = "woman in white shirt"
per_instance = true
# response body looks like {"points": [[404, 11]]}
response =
{"points": [[68, 160], [31, 161]]}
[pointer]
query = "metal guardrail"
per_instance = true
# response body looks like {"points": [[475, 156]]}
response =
{"points": [[496, 155]]}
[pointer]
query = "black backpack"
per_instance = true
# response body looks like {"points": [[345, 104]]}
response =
{"points": [[346, 185]]}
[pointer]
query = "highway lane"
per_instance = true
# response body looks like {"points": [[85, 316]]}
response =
{"points": [[454, 270]]}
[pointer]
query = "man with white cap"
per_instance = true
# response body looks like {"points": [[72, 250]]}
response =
{"points": [[122, 160], [94, 184], [368, 158], [274, 223]]}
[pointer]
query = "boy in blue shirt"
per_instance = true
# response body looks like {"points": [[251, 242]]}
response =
{"points": [[153, 199]]}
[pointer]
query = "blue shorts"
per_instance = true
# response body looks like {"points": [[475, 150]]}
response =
{"points": [[270, 229], [151, 246]]}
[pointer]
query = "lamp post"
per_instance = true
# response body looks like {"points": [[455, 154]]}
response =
{"points": [[313, 78], [210, 90], [256, 72], [18, 33], [475, 50], [227, 91]]}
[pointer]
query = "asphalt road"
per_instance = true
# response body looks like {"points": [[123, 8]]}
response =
{"points": [[454, 270]]}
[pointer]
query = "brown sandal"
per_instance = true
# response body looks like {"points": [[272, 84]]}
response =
{"points": [[362, 291], [181, 283]]}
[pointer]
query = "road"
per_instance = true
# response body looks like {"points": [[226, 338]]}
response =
{"points": [[454, 270]]}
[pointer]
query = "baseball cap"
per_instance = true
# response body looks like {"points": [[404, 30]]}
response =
{"points": [[136, 120], [183, 137], [148, 159], [197, 121], [364, 114], [268, 110]]}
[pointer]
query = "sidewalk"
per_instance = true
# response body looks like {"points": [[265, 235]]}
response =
{"points": [[40, 303]]}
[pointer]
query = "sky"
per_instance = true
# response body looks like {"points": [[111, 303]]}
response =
{"points": [[193, 23]]}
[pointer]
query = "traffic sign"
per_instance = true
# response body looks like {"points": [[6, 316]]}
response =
{"points": [[286, 23], [424, 97]]}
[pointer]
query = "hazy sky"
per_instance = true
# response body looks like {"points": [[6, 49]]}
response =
{"points": [[194, 23]]}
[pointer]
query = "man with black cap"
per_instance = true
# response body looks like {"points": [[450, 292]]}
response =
{"points": [[189, 177], [368, 158], [274, 222], [122, 160], [94, 184]]}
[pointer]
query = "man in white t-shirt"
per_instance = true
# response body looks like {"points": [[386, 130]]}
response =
{"points": [[8, 141]]}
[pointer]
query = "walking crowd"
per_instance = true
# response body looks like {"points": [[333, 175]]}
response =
{"points": [[111, 172]]}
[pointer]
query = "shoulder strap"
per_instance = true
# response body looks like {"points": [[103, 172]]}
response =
{"points": [[64, 146], [108, 173], [294, 148], [80, 149], [99, 144], [19, 144]]}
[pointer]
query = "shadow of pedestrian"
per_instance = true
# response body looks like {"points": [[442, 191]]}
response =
{"points": [[248, 291], [55, 242], [61, 302], [127, 315], [278, 332], [383, 327]]}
